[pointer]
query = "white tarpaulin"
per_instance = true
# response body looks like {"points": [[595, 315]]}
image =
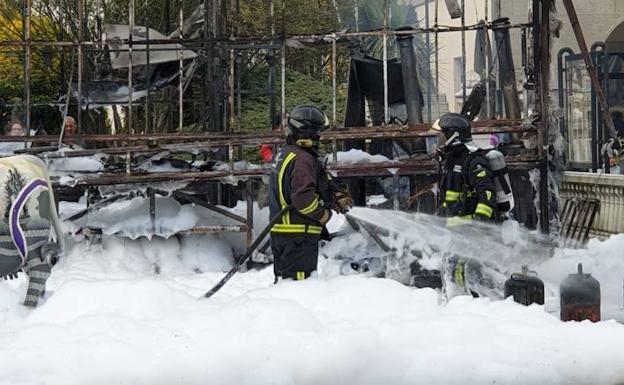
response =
{"points": [[159, 53]]}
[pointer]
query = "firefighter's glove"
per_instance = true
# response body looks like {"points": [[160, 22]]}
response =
{"points": [[325, 217], [441, 153], [325, 235], [613, 148], [342, 202]]}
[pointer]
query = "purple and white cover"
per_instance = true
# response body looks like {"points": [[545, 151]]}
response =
{"points": [[17, 234]]}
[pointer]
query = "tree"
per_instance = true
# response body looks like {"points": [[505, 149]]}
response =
{"points": [[44, 63], [57, 20]]}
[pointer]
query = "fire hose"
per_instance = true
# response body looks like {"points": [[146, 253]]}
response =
{"points": [[248, 253]]}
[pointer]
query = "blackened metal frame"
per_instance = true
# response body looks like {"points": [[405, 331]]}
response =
{"points": [[214, 41]]}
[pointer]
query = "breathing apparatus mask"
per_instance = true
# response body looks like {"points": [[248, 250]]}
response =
{"points": [[456, 130]]}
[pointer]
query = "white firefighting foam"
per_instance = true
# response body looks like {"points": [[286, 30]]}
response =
{"points": [[109, 318]]}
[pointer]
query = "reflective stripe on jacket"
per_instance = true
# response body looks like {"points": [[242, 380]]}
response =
{"points": [[467, 189], [295, 180]]}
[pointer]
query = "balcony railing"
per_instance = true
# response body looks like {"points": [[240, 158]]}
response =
{"points": [[607, 188]]}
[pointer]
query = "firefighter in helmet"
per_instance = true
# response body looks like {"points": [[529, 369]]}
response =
{"points": [[299, 178], [467, 192], [466, 183]]}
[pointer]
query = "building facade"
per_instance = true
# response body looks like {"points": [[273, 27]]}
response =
{"points": [[602, 21]]}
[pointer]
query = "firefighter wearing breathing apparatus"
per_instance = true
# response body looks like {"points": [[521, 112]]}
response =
{"points": [[474, 183], [299, 178]]}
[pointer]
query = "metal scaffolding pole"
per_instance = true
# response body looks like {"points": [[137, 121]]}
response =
{"points": [[385, 60], [27, 61], [541, 12], [562, 86], [130, 85], [220, 15], [498, 104], [271, 58], [231, 83], [463, 46], [181, 74], [207, 74], [283, 69], [272, 14], [212, 106], [333, 64], [356, 11], [250, 207], [175, 141], [257, 42], [437, 58], [148, 109], [488, 48], [80, 67], [239, 98], [428, 60]]}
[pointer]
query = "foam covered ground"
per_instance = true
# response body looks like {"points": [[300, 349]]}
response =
{"points": [[108, 318]]}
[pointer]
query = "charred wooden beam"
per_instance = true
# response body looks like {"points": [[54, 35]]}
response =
{"points": [[422, 165], [391, 132], [479, 127]]}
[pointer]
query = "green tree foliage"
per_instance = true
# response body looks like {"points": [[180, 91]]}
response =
{"points": [[290, 17], [300, 89], [45, 62], [309, 64]]}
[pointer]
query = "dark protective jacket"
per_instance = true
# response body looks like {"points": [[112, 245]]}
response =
{"points": [[298, 178], [467, 187]]}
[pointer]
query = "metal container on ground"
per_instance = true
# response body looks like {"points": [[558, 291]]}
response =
{"points": [[525, 287], [580, 297]]}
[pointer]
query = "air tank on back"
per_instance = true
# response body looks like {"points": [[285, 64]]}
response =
{"points": [[580, 297], [504, 195], [525, 287]]}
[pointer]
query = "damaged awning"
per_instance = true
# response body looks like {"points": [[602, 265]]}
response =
{"points": [[158, 53]]}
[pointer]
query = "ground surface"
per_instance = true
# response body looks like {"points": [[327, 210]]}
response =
{"points": [[108, 319]]}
